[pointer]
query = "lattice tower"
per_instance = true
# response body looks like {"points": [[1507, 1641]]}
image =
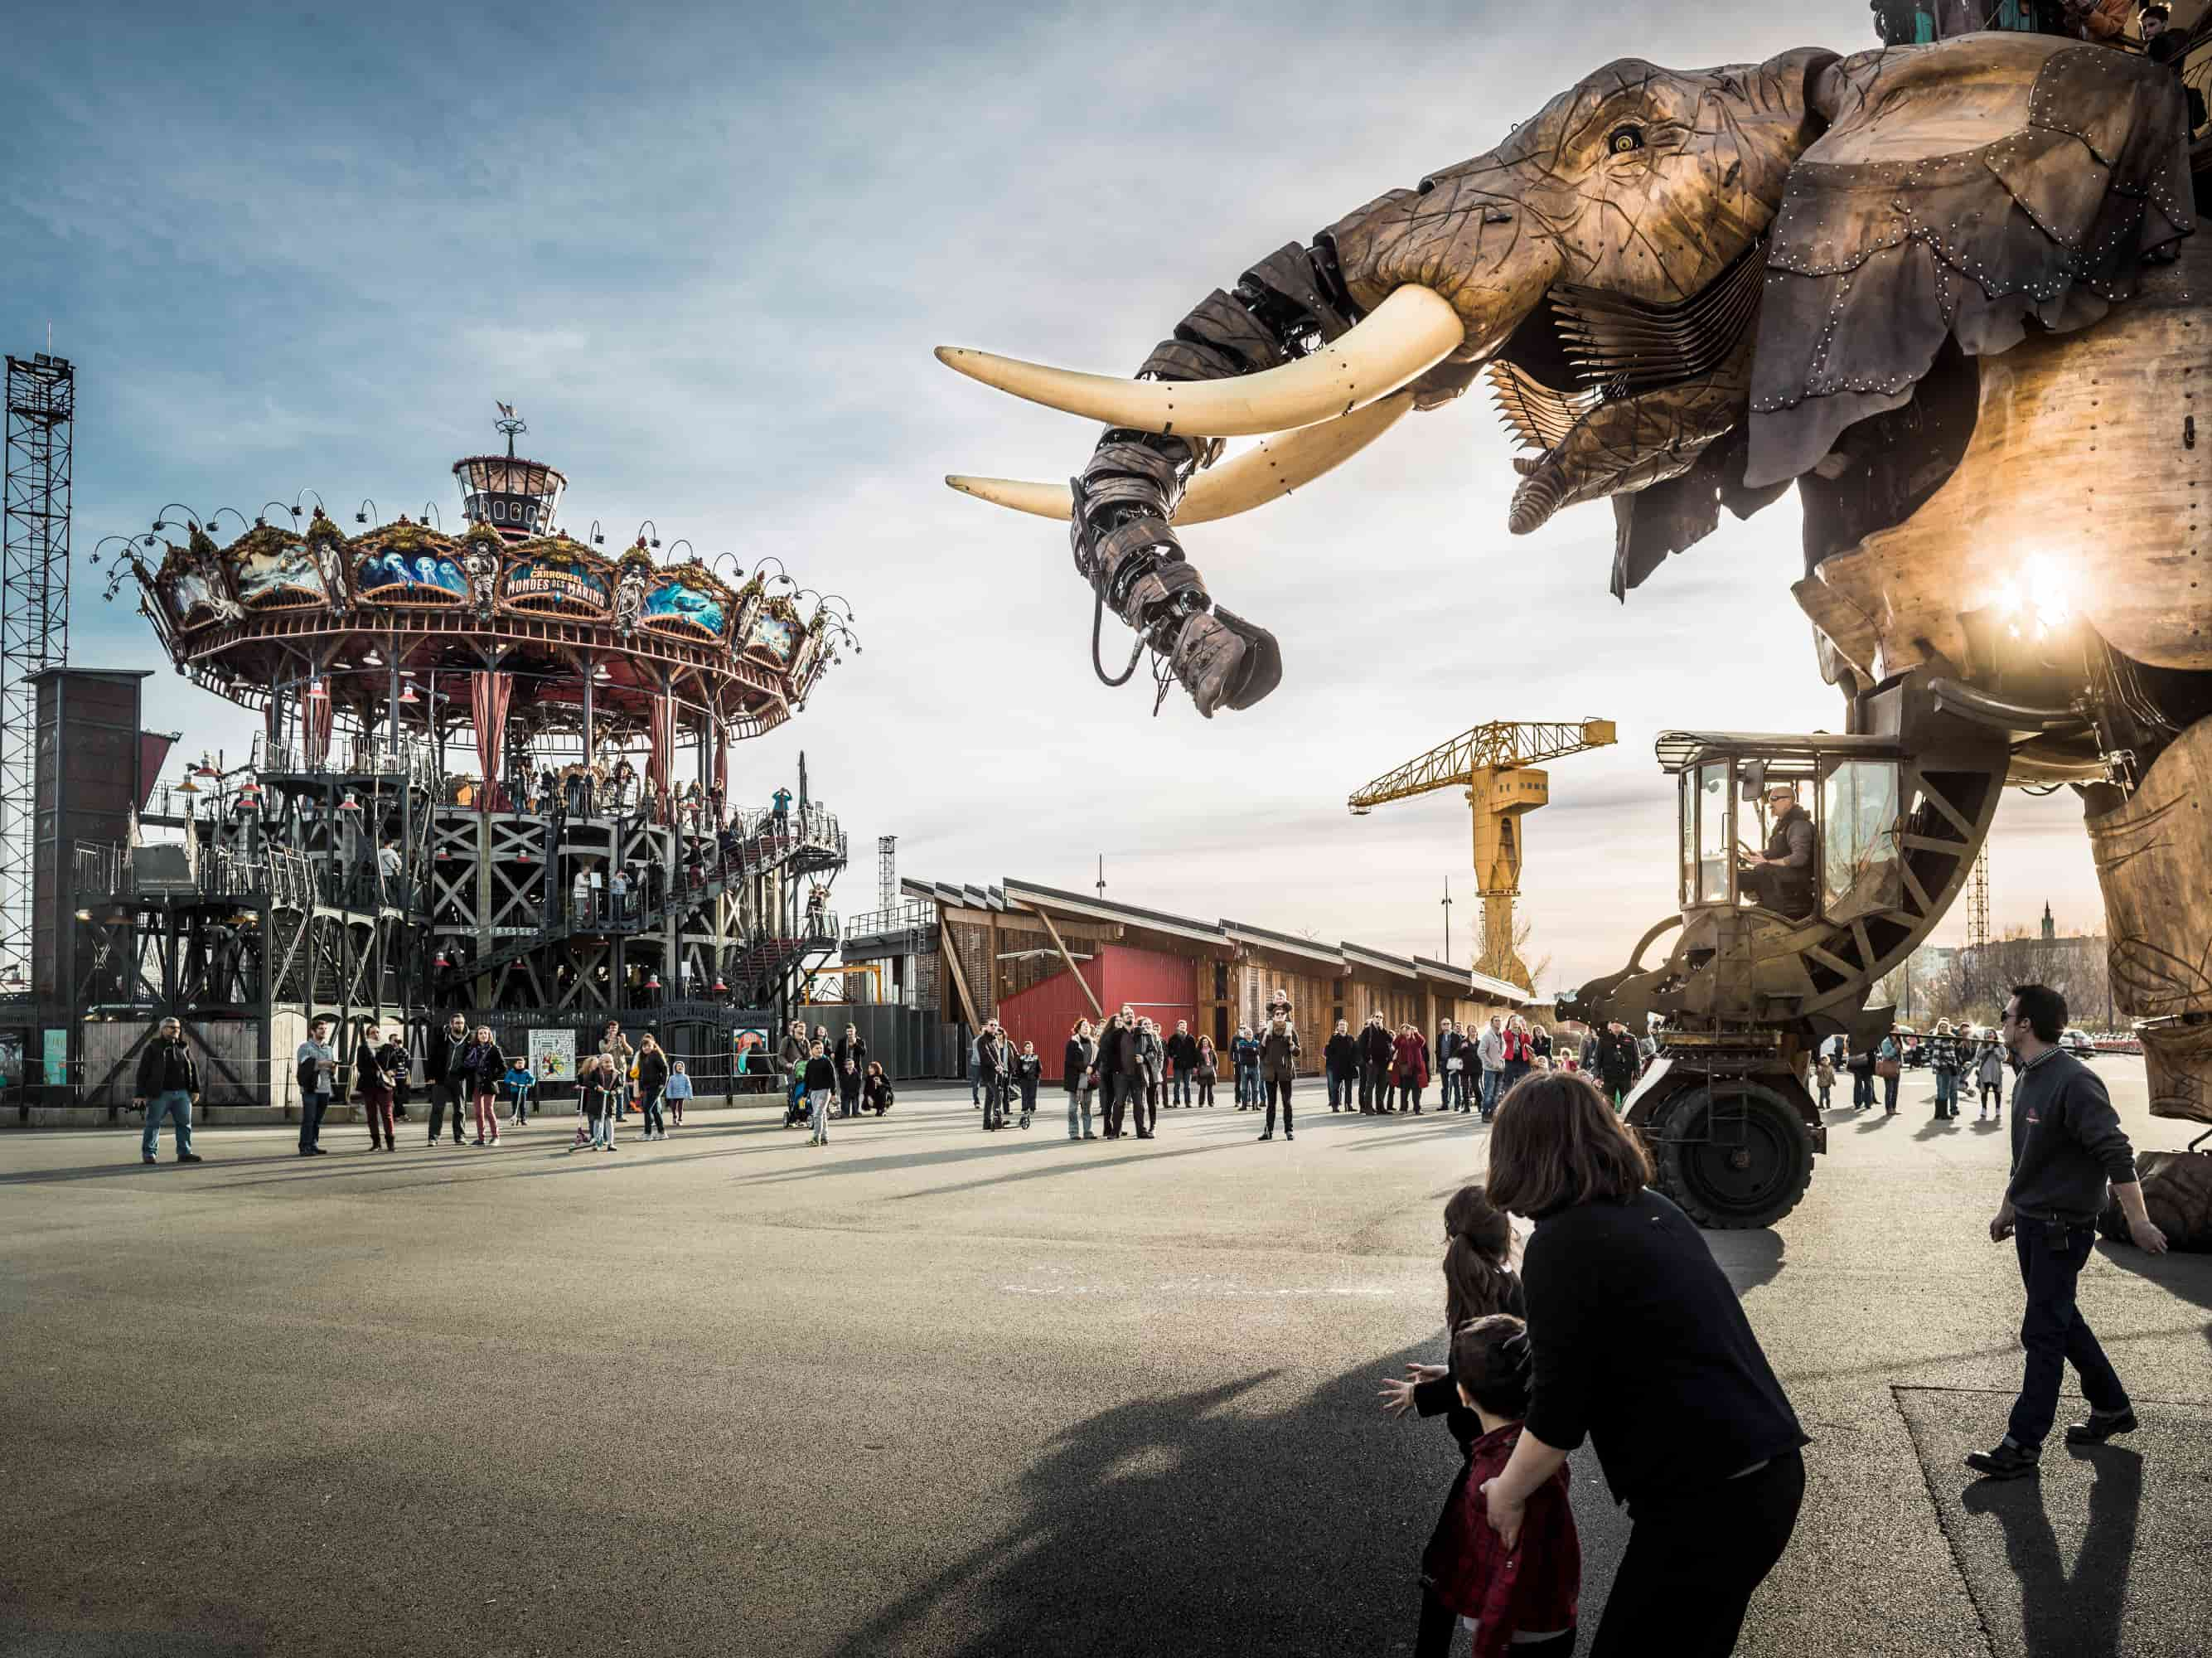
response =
{"points": [[886, 872], [1977, 919], [34, 613]]}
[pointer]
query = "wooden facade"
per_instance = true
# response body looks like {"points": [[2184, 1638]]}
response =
{"points": [[1037, 958]]}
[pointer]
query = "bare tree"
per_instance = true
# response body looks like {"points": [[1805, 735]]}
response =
{"points": [[2077, 968], [1539, 968]]}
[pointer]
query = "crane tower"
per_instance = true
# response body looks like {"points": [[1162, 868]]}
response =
{"points": [[1497, 766]]}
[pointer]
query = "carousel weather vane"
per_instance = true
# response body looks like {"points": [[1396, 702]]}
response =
{"points": [[509, 422]]}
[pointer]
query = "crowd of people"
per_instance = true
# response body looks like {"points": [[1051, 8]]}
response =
{"points": [[1952, 1054], [1118, 1075]]}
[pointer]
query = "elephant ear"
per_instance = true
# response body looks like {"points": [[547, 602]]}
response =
{"points": [[1666, 517], [1968, 188]]}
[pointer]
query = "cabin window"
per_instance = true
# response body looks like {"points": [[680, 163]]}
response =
{"points": [[1715, 803], [1861, 865]]}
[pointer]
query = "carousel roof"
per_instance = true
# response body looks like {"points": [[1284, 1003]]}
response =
{"points": [[242, 618]]}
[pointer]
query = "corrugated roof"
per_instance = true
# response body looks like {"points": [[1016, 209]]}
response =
{"points": [[1500, 989], [1268, 938], [1343, 956], [1159, 920]]}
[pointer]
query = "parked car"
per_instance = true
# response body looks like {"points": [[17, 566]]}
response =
{"points": [[2076, 1041]]}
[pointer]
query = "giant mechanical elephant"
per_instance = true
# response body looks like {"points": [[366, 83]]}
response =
{"points": [[1949, 291]]}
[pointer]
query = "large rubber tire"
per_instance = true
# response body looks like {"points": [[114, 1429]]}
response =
{"points": [[1750, 1179]]}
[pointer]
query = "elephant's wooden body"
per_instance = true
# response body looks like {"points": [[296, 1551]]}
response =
{"points": [[2090, 465]]}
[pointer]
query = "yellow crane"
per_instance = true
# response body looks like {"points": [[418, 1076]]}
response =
{"points": [[1496, 764]]}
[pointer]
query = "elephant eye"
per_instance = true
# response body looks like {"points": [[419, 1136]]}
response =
{"points": [[1623, 139]]}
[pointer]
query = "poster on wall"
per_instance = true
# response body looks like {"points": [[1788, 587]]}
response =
{"points": [[553, 1057], [748, 1050], [56, 1054]]}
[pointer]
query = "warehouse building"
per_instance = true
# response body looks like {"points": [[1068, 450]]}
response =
{"points": [[1038, 959]]}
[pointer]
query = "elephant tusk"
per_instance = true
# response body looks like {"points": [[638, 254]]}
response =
{"points": [[1408, 334], [1270, 470]]}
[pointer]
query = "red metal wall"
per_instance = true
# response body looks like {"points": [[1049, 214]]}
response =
{"points": [[1161, 987]]}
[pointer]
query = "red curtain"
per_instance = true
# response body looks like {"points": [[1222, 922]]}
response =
{"points": [[664, 741], [721, 762], [487, 698], [315, 722]]}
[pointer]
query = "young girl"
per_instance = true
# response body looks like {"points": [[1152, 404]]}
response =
{"points": [[680, 1090], [1824, 1078], [821, 1087], [480, 1067], [1028, 1070], [1209, 1066], [599, 1095], [651, 1071], [1480, 1280], [1518, 1598], [1989, 1076]]}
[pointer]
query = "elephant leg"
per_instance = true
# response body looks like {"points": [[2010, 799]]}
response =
{"points": [[2154, 863]]}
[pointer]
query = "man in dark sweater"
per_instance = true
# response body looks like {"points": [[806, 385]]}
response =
{"points": [[2067, 1142], [440, 1059], [1182, 1053], [1121, 1071], [168, 1085], [1376, 1050]]}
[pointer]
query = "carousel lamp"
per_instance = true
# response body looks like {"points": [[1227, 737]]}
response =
{"points": [[203, 770], [653, 981], [315, 689], [84, 915], [349, 804], [441, 855], [440, 961], [188, 787], [407, 697], [721, 988], [523, 856]]}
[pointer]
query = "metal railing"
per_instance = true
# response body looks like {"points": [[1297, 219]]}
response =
{"points": [[914, 915], [411, 757]]}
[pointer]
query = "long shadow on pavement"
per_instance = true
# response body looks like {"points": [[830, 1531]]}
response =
{"points": [[1185, 1523], [2078, 1616]]}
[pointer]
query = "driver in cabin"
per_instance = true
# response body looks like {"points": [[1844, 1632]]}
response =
{"points": [[1781, 878]]}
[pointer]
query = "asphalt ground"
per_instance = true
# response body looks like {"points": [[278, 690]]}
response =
{"points": [[929, 1391]]}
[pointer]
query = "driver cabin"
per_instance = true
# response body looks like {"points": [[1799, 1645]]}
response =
{"points": [[1802, 828]]}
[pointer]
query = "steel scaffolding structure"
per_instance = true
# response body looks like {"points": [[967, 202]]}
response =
{"points": [[33, 615], [886, 871]]}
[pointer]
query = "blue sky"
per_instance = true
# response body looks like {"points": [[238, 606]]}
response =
{"points": [[706, 252]]}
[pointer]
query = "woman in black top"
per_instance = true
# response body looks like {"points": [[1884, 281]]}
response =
{"points": [[652, 1085], [1074, 1075], [876, 1090], [1699, 1441]]}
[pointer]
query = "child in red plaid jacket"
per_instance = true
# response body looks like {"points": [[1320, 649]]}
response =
{"points": [[1519, 1601]]}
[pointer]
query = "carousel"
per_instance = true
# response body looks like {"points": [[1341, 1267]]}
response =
{"points": [[494, 769], [533, 648]]}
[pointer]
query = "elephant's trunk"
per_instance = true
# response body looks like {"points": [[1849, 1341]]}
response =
{"points": [[1414, 291], [1388, 298]]}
